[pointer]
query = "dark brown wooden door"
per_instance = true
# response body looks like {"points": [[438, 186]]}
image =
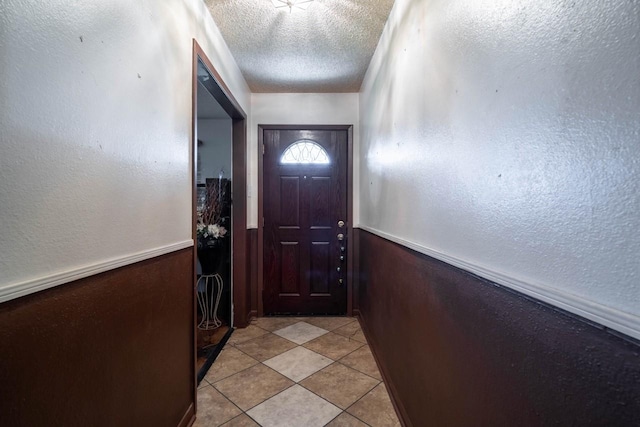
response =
{"points": [[305, 196]]}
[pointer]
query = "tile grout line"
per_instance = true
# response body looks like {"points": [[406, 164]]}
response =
{"points": [[270, 397], [317, 395], [367, 344], [261, 402], [348, 367], [361, 397], [345, 354], [342, 410], [333, 361], [229, 376], [239, 415], [230, 401], [303, 387], [258, 361]]}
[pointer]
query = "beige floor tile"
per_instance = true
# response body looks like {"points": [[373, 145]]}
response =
{"points": [[213, 408], [203, 383], [339, 384], [300, 332], [359, 336], [246, 334], [241, 421], [294, 407], [230, 361], [348, 330], [362, 360], [330, 323], [346, 420], [375, 409], [265, 347], [274, 323], [333, 346], [298, 363], [252, 386]]}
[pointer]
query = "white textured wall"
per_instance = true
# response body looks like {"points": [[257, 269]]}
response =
{"points": [[298, 109], [215, 153], [95, 124], [505, 136]]}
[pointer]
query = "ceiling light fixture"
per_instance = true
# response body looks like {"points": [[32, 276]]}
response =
{"points": [[300, 4]]}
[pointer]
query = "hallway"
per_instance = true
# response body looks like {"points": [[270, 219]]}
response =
{"points": [[491, 230], [295, 371]]}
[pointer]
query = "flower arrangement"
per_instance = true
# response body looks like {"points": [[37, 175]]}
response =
{"points": [[209, 225], [214, 231]]}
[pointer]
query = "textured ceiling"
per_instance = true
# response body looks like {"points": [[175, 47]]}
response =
{"points": [[326, 48]]}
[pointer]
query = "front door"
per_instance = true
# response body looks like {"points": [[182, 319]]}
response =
{"points": [[305, 215]]}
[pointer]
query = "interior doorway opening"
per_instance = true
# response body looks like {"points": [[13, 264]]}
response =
{"points": [[219, 212], [214, 224]]}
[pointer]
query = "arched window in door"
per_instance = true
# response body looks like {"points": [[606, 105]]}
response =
{"points": [[305, 151]]}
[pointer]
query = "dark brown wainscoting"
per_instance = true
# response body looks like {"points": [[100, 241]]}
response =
{"points": [[458, 350], [113, 349], [253, 268], [354, 244]]}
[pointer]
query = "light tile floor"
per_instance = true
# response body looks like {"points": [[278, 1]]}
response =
{"points": [[295, 372]]}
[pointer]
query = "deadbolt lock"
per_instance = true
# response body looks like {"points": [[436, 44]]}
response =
{"points": [[340, 224], [340, 236]]}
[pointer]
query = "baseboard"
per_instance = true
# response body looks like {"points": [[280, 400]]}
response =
{"points": [[393, 394], [189, 417], [247, 319]]}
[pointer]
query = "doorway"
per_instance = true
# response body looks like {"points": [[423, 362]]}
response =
{"points": [[305, 211], [219, 212]]}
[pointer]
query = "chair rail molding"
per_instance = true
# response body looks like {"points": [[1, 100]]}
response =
{"points": [[605, 316], [19, 289]]}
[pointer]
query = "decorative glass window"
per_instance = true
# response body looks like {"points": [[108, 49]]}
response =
{"points": [[305, 151]]}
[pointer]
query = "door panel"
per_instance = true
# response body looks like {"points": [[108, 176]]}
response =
{"points": [[320, 268], [290, 205], [303, 202], [320, 202], [290, 268]]}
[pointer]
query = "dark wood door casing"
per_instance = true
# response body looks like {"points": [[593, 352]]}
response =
{"points": [[240, 267], [303, 269]]}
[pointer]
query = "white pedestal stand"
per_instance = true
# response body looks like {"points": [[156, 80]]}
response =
{"points": [[209, 287]]}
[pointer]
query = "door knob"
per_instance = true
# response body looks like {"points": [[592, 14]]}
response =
{"points": [[340, 224], [340, 236], [338, 269]]}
